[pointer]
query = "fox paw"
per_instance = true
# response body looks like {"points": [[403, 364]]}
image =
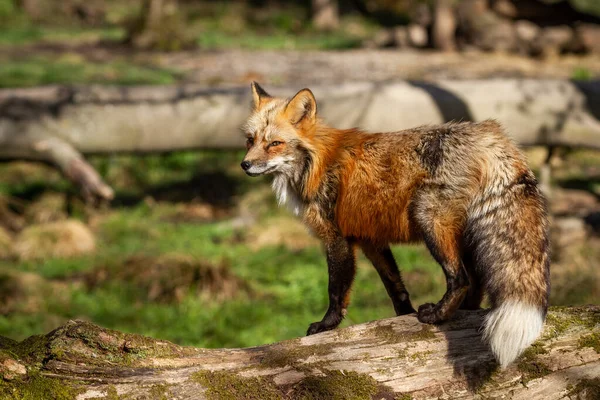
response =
{"points": [[405, 308], [317, 327], [428, 314]]}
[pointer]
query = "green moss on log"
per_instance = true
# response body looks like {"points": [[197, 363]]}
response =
{"points": [[159, 392], [112, 394], [84, 342], [6, 343], [530, 366], [336, 385], [231, 386], [36, 387], [389, 334], [33, 349], [290, 353], [420, 355], [592, 340], [562, 318], [585, 389]]}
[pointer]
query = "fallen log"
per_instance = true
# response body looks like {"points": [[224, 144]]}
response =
{"points": [[59, 125], [396, 358]]}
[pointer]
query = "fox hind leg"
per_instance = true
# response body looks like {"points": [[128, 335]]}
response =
{"points": [[457, 284], [474, 296], [383, 261], [441, 227]]}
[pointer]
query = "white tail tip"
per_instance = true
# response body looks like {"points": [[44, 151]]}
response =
{"points": [[511, 328]]}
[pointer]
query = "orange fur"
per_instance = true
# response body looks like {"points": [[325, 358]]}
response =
{"points": [[374, 193]]}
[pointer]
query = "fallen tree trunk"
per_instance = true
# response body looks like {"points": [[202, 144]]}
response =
{"points": [[57, 124], [391, 358]]}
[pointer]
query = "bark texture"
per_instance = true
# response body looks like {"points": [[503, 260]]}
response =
{"points": [[391, 358], [58, 124], [159, 26], [444, 26], [325, 14]]}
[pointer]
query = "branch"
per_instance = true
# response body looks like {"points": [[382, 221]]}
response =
{"points": [[391, 358], [65, 157]]}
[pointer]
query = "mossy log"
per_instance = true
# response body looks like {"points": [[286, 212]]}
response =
{"points": [[59, 125], [396, 358]]}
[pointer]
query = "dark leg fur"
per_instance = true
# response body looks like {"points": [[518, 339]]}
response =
{"points": [[383, 261], [342, 268], [474, 296], [457, 283], [443, 244]]}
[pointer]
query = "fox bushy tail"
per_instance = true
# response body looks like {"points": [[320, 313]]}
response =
{"points": [[508, 236]]}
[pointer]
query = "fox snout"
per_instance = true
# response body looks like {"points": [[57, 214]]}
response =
{"points": [[246, 165], [254, 168]]}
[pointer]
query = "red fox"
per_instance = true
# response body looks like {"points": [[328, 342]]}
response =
{"points": [[462, 188]]}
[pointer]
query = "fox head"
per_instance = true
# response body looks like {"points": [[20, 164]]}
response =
{"points": [[277, 132]]}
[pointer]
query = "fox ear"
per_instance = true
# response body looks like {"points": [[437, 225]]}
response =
{"points": [[302, 107], [259, 96]]}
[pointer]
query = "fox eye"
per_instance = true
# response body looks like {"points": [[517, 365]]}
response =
{"points": [[275, 143]]}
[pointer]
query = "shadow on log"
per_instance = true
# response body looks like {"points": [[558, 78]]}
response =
{"points": [[396, 358]]}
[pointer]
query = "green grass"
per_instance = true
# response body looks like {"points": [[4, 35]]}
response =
{"points": [[288, 287], [46, 52], [279, 41], [582, 74], [273, 28], [23, 34], [73, 69]]}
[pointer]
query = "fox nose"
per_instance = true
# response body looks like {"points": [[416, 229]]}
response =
{"points": [[246, 165]]}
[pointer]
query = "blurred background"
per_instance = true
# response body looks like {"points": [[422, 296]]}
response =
{"points": [[106, 215]]}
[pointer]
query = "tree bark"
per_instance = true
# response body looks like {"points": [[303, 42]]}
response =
{"points": [[158, 26], [106, 120], [444, 26], [391, 358], [31, 8], [325, 14]]}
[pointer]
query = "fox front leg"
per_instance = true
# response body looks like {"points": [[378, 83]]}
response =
{"points": [[341, 265]]}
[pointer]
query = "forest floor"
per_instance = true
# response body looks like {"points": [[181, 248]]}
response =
{"points": [[193, 251], [275, 49]]}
